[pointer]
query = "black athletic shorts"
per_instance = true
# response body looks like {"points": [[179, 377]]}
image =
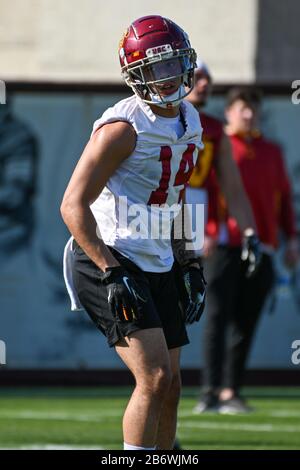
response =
{"points": [[162, 309]]}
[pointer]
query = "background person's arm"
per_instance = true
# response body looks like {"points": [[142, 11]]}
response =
{"points": [[103, 154], [232, 187]]}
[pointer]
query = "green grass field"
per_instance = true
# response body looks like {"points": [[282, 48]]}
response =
{"points": [[91, 418]]}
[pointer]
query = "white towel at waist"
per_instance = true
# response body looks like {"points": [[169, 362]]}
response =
{"points": [[68, 276]]}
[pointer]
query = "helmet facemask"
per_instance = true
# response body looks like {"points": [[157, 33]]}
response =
{"points": [[163, 79]]}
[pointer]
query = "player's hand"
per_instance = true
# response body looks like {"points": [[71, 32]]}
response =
{"points": [[125, 297], [195, 286], [251, 252]]}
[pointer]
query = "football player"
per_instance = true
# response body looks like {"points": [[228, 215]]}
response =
{"points": [[141, 154]]}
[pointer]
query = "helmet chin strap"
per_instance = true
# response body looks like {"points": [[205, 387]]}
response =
{"points": [[172, 100]]}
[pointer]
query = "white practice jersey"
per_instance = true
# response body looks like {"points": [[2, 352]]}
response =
{"points": [[134, 212]]}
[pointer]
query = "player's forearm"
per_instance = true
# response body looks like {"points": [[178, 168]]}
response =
{"points": [[82, 225], [240, 208], [232, 187], [237, 200]]}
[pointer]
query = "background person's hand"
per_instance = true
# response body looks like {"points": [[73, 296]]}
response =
{"points": [[251, 252]]}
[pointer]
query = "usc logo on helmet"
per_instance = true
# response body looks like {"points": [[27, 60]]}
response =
{"points": [[158, 50]]}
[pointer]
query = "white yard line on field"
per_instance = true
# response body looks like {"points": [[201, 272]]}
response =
{"points": [[272, 413], [117, 414], [266, 427], [52, 447], [284, 414], [59, 416]]}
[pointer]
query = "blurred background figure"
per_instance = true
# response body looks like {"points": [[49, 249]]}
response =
{"points": [[18, 179], [235, 301], [215, 163]]}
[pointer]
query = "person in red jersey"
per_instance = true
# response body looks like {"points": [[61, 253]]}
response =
{"points": [[234, 300], [215, 165], [213, 135]]}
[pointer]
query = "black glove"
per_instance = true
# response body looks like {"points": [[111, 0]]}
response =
{"points": [[195, 286], [124, 295], [251, 253]]}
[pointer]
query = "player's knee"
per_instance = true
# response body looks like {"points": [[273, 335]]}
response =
{"points": [[158, 381], [161, 380]]}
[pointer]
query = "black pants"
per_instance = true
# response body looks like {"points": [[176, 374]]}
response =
{"points": [[234, 304]]}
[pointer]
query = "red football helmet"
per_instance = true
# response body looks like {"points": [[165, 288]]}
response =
{"points": [[157, 60]]}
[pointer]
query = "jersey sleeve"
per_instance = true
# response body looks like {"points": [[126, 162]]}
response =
{"points": [[122, 111]]}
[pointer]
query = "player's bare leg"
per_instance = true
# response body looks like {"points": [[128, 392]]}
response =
{"points": [[146, 354], [168, 418]]}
